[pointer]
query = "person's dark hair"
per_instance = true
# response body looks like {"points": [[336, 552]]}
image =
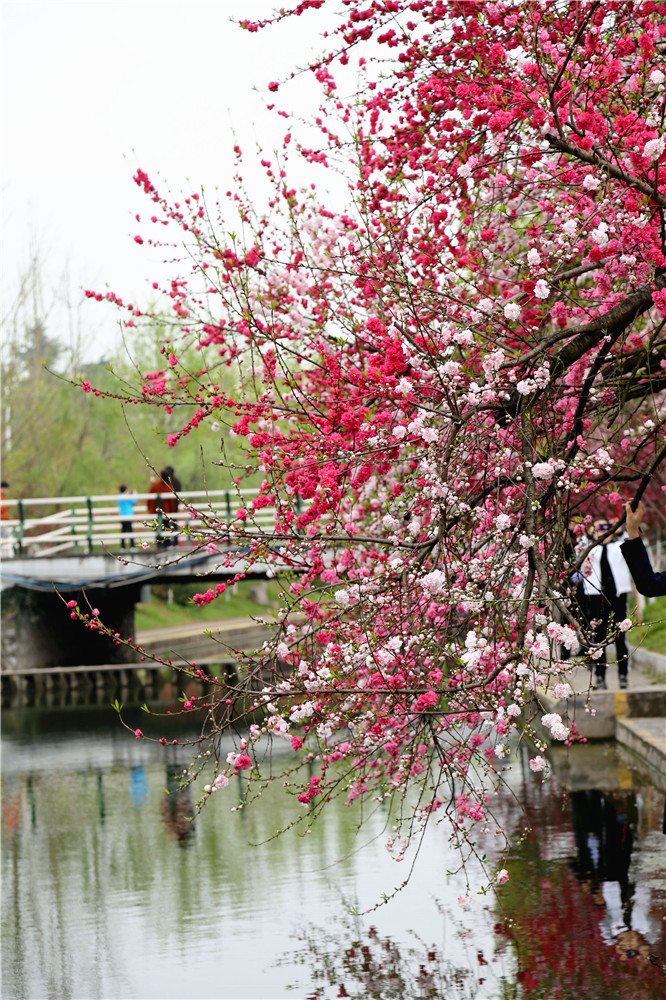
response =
{"points": [[4, 485], [123, 487]]}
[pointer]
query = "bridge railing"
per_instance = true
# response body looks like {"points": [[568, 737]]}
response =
{"points": [[77, 525]]}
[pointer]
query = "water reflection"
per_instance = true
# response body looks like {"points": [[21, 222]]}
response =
{"points": [[604, 826], [354, 960], [101, 900], [177, 810], [584, 908]]}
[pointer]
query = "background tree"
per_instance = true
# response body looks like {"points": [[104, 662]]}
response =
{"points": [[59, 443], [433, 384]]}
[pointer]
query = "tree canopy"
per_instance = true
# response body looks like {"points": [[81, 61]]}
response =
{"points": [[440, 384]]}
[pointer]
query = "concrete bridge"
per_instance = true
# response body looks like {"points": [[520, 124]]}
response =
{"points": [[58, 549]]}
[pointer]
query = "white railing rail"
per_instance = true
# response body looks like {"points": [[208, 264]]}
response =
{"points": [[78, 525]]}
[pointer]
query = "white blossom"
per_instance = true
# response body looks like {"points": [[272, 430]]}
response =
{"points": [[433, 583], [654, 148], [600, 235], [526, 386], [559, 731], [543, 470]]}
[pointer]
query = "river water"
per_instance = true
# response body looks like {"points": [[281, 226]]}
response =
{"points": [[109, 891]]}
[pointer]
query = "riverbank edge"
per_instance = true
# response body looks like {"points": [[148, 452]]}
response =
{"points": [[635, 717]]}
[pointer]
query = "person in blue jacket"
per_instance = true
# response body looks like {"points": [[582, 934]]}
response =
{"points": [[635, 554], [125, 504]]}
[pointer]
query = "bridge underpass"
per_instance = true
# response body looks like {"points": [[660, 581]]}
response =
{"points": [[37, 630]]}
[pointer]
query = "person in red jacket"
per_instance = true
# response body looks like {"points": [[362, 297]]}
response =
{"points": [[4, 508], [5, 530], [635, 554], [165, 500]]}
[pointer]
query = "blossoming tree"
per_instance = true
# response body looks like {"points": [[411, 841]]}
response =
{"points": [[433, 383]]}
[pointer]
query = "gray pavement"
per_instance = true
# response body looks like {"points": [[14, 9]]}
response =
{"points": [[635, 716]]}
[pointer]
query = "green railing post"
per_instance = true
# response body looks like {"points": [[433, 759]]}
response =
{"points": [[90, 523], [227, 499], [19, 530], [160, 519], [76, 543]]}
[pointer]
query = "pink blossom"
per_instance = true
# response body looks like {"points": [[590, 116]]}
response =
{"points": [[562, 690]]}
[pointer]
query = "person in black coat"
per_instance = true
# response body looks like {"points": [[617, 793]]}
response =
{"points": [[635, 554]]}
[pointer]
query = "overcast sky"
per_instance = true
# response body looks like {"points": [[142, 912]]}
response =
{"points": [[94, 89]]}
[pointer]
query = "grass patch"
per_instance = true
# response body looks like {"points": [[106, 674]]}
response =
{"points": [[652, 633], [234, 603]]}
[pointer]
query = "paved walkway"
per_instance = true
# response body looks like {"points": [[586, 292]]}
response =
{"points": [[635, 716]]}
